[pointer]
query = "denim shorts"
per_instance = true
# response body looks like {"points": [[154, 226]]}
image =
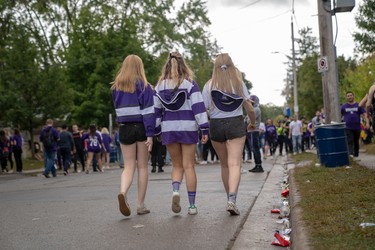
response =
{"points": [[132, 132], [223, 129]]}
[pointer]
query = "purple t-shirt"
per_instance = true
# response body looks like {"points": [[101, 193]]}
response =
{"points": [[107, 142], [351, 114], [94, 142]]}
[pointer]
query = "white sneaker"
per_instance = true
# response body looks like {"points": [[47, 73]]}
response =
{"points": [[176, 202], [232, 208], [193, 210], [203, 162]]}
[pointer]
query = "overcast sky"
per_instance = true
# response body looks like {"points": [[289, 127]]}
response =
{"points": [[250, 30]]}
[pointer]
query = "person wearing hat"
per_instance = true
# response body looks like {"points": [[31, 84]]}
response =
{"points": [[254, 138], [224, 96], [180, 113]]}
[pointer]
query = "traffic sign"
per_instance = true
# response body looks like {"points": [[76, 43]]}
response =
{"points": [[322, 64]]}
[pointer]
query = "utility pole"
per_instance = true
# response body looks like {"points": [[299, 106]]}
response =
{"points": [[295, 87], [329, 77]]}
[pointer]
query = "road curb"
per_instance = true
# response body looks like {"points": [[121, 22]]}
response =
{"points": [[299, 235]]}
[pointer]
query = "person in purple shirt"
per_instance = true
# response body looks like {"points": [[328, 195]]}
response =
{"points": [[351, 115], [134, 104], [107, 146], [271, 137], [17, 142], [180, 111], [94, 144], [49, 150]]}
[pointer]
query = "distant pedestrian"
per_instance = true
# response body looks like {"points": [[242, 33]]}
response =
{"points": [[17, 149], [66, 145], [79, 154], [4, 151], [157, 152], [370, 105], [351, 113], [106, 154], [224, 95], [254, 136], [10, 154], [94, 148], [134, 104], [181, 112], [295, 134], [271, 137], [49, 138]]}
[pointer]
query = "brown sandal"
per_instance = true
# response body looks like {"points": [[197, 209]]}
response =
{"points": [[124, 206]]}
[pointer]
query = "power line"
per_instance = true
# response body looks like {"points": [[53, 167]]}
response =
{"points": [[250, 4]]}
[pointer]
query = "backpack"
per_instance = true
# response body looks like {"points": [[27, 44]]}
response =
{"points": [[48, 140], [5, 151]]}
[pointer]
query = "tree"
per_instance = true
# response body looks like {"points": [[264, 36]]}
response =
{"points": [[358, 79], [365, 20]]}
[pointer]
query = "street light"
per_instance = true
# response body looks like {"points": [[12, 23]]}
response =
{"points": [[293, 58]]}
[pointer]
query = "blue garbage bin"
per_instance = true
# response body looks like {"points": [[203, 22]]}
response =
{"points": [[332, 145]]}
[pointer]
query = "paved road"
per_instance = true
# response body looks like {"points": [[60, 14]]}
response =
{"points": [[81, 212]]}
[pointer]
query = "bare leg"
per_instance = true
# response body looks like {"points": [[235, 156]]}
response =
{"points": [[222, 153], [188, 162], [142, 161], [99, 161], [90, 156], [129, 153], [235, 148], [175, 151]]}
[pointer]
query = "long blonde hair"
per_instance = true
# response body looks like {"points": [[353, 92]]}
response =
{"points": [[226, 77], [175, 70], [131, 71]]}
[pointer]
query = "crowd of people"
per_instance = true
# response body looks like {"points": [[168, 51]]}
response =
{"points": [[63, 148], [176, 123], [11, 147]]}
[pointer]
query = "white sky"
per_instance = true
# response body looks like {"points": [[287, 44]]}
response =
{"points": [[251, 34]]}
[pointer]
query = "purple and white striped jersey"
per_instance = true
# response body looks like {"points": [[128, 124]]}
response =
{"points": [[180, 126], [136, 107]]}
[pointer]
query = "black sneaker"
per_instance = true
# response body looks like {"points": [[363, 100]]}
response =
{"points": [[160, 170], [257, 169], [46, 175], [153, 170]]}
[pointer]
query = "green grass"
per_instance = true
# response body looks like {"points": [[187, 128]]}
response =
{"points": [[334, 201], [31, 164]]}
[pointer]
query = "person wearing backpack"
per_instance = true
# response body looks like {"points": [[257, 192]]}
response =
{"points": [[4, 151], [49, 138]]}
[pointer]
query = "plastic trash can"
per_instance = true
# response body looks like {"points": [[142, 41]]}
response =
{"points": [[332, 145]]}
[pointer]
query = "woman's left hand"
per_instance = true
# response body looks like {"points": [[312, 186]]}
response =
{"points": [[204, 139], [149, 144]]}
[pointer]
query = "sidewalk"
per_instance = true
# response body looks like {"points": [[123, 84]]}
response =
{"points": [[260, 225], [259, 228]]}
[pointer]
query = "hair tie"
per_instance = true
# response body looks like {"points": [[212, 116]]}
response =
{"points": [[223, 67]]}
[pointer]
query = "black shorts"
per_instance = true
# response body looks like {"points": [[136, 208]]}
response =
{"points": [[132, 132], [223, 129]]}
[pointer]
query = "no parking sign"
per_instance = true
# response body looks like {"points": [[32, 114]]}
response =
{"points": [[322, 64]]}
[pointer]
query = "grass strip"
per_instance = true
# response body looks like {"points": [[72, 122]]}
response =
{"points": [[334, 201]]}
